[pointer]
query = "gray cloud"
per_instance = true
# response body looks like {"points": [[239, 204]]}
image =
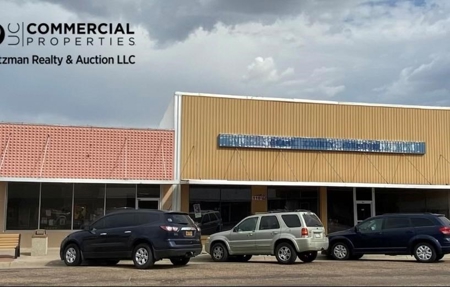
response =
{"points": [[334, 50]]}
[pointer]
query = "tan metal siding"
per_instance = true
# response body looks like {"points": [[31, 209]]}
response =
{"points": [[204, 118]]}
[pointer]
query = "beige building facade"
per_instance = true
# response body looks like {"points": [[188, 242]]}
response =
{"points": [[346, 161]]}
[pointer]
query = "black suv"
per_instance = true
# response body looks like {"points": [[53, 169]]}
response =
{"points": [[143, 235], [424, 235]]}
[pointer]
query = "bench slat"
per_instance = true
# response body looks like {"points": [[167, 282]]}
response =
{"points": [[8, 247]]}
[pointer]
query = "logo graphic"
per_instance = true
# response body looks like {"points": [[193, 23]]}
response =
{"points": [[2, 34]]}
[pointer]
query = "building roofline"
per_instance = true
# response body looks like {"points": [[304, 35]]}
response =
{"points": [[81, 126], [294, 100]]}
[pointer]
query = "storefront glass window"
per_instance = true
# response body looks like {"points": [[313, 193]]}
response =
{"points": [[89, 203], [292, 198], [148, 191], [120, 196], [23, 206], [233, 203], [340, 208], [56, 206], [390, 200]]}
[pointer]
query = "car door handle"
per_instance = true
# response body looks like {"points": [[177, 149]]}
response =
{"points": [[274, 232], [102, 234], [251, 234], [127, 231]]}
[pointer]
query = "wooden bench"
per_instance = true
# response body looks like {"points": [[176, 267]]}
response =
{"points": [[10, 241]]}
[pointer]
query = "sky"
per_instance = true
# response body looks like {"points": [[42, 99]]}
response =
{"points": [[394, 52]]}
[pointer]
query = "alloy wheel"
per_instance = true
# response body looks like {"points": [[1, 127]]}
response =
{"points": [[141, 256], [71, 255]]}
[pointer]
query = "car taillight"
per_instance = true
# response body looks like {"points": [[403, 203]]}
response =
{"points": [[305, 232], [445, 230], [170, 228]]}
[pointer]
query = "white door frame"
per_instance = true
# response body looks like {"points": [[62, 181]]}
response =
{"points": [[356, 202], [148, 199]]}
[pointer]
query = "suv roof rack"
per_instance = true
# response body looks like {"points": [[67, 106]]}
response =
{"points": [[286, 210]]}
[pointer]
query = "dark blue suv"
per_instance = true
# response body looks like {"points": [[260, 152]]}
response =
{"points": [[424, 235], [142, 235]]}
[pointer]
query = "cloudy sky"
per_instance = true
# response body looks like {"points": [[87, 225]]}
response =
{"points": [[347, 50]]}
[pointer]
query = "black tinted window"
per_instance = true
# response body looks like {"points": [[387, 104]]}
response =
{"points": [[311, 220], [291, 220], [213, 217], [396, 222], [206, 218], [176, 218], [99, 224], [269, 222], [145, 218], [418, 222], [120, 220]]}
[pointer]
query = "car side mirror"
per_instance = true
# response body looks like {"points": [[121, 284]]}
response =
{"points": [[235, 229]]}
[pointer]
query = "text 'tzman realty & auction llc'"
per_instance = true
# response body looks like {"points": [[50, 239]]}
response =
{"points": [[18, 35]]}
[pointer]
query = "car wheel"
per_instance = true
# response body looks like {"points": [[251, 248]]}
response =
{"points": [[143, 256], [356, 256], [180, 261], [72, 255], [285, 253], [243, 258], [308, 256], [340, 251], [219, 252], [425, 252]]}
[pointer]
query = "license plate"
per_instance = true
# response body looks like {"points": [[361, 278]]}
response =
{"points": [[317, 235], [188, 233]]}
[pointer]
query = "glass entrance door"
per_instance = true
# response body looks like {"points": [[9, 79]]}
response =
{"points": [[148, 203], [363, 211]]}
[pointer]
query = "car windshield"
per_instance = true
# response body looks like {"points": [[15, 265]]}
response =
{"points": [[312, 220], [179, 218]]}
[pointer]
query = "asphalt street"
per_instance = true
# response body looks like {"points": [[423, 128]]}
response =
{"points": [[260, 271]]}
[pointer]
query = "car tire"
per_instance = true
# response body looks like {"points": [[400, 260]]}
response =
{"points": [[340, 251], [219, 252], [308, 256], [356, 256], [180, 261], [285, 253], [243, 258], [72, 255], [143, 256], [439, 257], [425, 252]]}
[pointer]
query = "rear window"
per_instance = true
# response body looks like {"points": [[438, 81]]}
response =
{"points": [[312, 220], [183, 219], [291, 220], [444, 220]]}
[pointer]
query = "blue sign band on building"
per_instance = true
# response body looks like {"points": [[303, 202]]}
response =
{"points": [[320, 144]]}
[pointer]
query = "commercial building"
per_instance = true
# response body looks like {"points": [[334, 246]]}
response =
{"points": [[232, 154], [58, 178], [344, 161]]}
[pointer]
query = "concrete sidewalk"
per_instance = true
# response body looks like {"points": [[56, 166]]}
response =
{"points": [[52, 259]]}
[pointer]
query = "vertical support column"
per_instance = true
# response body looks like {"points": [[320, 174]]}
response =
{"points": [[167, 195], [3, 203], [259, 199], [184, 202], [323, 206]]}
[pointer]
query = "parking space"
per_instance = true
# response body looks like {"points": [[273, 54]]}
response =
{"points": [[375, 270]]}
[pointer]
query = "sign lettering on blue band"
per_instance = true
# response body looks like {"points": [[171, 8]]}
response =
{"points": [[321, 144]]}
